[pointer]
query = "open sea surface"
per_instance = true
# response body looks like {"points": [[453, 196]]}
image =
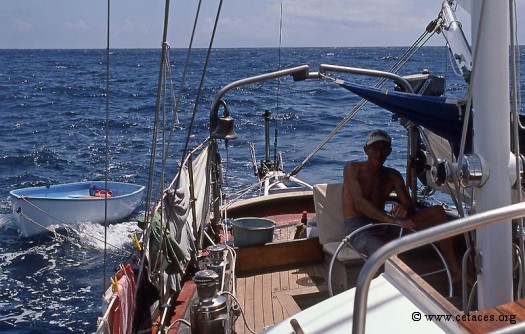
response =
{"points": [[53, 109]]}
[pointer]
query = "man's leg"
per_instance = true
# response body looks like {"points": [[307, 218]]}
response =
{"points": [[368, 241], [433, 216]]}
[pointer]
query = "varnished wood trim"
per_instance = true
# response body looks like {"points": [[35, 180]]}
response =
{"points": [[438, 297], [272, 255], [181, 305]]}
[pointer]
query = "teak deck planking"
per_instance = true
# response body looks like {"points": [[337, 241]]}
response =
{"points": [[499, 317], [267, 297]]}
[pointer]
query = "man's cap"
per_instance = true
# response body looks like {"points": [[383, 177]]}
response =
{"points": [[378, 135]]}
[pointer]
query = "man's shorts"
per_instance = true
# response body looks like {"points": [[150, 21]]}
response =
{"points": [[369, 240]]}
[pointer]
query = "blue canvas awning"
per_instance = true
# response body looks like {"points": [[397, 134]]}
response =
{"points": [[437, 114]]}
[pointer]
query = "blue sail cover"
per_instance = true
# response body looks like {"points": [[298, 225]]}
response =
{"points": [[437, 114]]}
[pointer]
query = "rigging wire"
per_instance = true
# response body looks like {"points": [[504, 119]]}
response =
{"points": [[153, 153], [452, 63], [278, 89], [454, 66], [456, 198], [197, 98], [515, 130], [155, 132], [469, 96], [163, 166], [107, 148], [201, 83], [163, 93], [183, 77], [409, 53]]}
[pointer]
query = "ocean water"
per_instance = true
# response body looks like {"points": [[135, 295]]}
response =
{"points": [[53, 109]]}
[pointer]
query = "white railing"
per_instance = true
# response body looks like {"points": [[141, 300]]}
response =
{"points": [[415, 240]]}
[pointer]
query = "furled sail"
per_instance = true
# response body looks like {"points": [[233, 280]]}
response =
{"points": [[440, 115], [178, 246], [200, 186]]}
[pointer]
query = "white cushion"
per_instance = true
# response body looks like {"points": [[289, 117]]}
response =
{"points": [[328, 199], [345, 255]]}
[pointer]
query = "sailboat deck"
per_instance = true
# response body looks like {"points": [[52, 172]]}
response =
{"points": [[270, 297], [495, 318]]}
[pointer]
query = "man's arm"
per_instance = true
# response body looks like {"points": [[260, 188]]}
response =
{"points": [[353, 197], [403, 211], [402, 193]]}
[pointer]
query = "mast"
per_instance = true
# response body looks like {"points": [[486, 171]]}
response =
{"points": [[492, 142]]}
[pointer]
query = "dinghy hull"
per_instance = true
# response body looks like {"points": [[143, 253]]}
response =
{"points": [[38, 208]]}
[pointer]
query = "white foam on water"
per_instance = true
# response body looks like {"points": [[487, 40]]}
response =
{"points": [[117, 236], [7, 258], [22, 317], [90, 234], [8, 221]]}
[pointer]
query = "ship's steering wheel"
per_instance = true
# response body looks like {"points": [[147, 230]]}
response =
{"points": [[347, 241]]}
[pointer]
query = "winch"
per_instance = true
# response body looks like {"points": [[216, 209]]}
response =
{"points": [[219, 263], [209, 311]]}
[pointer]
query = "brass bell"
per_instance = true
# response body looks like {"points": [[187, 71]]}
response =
{"points": [[225, 129]]}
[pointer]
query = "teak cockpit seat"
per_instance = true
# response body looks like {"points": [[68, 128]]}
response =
{"points": [[328, 199]]}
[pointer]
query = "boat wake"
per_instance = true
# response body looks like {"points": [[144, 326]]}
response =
{"points": [[118, 236], [57, 279], [85, 234]]}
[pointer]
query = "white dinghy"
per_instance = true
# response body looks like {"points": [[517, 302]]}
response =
{"points": [[38, 208]]}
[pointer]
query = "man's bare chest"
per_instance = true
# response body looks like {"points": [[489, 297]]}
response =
{"points": [[375, 188]]}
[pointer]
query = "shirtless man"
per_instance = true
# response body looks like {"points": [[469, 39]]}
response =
{"points": [[367, 185]]}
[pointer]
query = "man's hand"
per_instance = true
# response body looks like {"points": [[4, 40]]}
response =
{"points": [[398, 211], [406, 222]]}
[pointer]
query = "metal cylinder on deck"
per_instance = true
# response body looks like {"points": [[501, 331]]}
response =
{"points": [[209, 311], [218, 262]]}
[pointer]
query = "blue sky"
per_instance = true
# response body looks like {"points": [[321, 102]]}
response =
{"points": [[244, 23]]}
